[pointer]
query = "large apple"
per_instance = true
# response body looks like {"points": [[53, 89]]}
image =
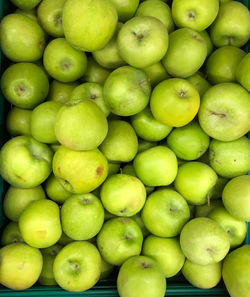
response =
{"points": [[18, 121], [55, 191], [60, 92], [11, 234], [242, 73]]}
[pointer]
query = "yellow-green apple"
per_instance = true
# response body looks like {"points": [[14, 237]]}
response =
{"points": [[113, 168], [216, 192], [95, 73], [106, 269], [60, 92], [204, 34], [55, 191], [137, 218], [144, 145], [25, 4], [64, 239], [30, 13], [156, 73], [205, 209], [18, 121], [242, 72], [199, 82], [125, 9], [55, 146], [11, 234]]}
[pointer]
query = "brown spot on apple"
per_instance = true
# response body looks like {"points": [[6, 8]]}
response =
{"points": [[99, 170]]}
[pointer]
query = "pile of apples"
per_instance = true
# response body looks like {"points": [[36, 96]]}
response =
{"points": [[128, 144]]}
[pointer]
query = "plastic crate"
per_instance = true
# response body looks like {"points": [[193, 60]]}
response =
{"points": [[176, 286]]}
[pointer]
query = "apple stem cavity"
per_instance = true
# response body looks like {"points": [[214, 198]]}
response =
{"points": [[191, 15], [145, 265], [93, 96], [220, 115], [138, 36]]}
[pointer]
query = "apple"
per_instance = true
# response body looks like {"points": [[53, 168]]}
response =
{"points": [[208, 41], [121, 143], [137, 218], [165, 213], [80, 172], [95, 73], [204, 242], [16, 200], [166, 251], [141, 276], [123, 195], [144, 145], [25, 162], [20, 266], [93, 31], [25, 85], [125, 10], [222, 64], [60, 92], [230, 159], [188, 142], [156, 166], [156, 73], [142, 41], [113, 168], [186, 47], [236, 272], [232, 25], [11, 234], [64, 239], [199, 82], [55, 146], [126, 91], [119, 239], [106, 269], [18, 121], [194, 181], [49, 14], [242, 73], [55, 191], [216, 192], [205, 209], [30, 13], [202, 276], [77, 267], [22, 39], [63, 62], [25, 4], [236, 197], [225, 111]]}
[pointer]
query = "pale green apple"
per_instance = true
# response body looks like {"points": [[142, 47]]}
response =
{"points": [[60, 92], [203, 241], [156, 73], [199, 82], [208, 41], [106, 269], [125, 9], [205, 209], [30, 13], [144, 145], [25, 4], [137, 218], [95, 73], [18, 121], [242, 72], [11, 234], [55, 191]]}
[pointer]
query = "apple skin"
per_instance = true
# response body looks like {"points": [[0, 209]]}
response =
{"points": [[202, 276], [14, 256], [208, 41], [165, 213], [205, 209], [113, 168], [225, 111], [80, 172], [137, 218], [94, 11], [236, 197], [11, 234], [26, 4], [231, 28], [55, 191], [125, 10], [25, 85], [242, 72], [216, 192], [156, 73], [230, 159], [95, 73], [166, 251], [144, 145], [142, 41], [25, 162], [222, 64], [204, 242], [16, 200], [60, 92], [77, 267], [141, 276], [119, 239], [199, 82], [22, 40], [30, 13], [18, 121], [186, 47], [236, 272]]}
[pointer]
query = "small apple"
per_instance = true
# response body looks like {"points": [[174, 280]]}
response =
{"points": [[205, 209], [11, 234], [106, 269], [60, 92], [144, 145], [18, 121], [156, 73], [55, 191], [137, 218], [199, 82], [242, 72], [216, 192], [26, 4], [125, 10], [95, 73], [64, 239], [113, 168]]}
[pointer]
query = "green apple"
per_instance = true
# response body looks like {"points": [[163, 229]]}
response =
{"points": [[40, 224], [205, 209], [182, 104], [43, 121], [144, 145], [92, 91], [208, 41], [18, 121], [106, 269], [156, 73], [166, 251], [11, 234], [95, 73], [60, 92], [242, 72], [30, 13], [119, 239], [216, 192], [81, 125], [232, 25], [225, 111], [93, 31], [199, 82], [236, 272], [222, 64], [16, 200], [230, 159], [203, 241], [159, 10], [137, 218], [55, 146], [63, 62], [186, 47], [235, 228], [25, 162], [125, 9], [25, 4], [195, 14], [80, 172], [22, 39], [20, 266], [165, 213], [188, 142], [49, 14], [64, 239], [77, 267], [194, 181], [25, 85], [82, 216], [55, 191], [121, 143], [113, 168], [202, 276], [236, 197], [126, 91], [123, 195], [156, 166], [142, 41], [141, 276]]}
